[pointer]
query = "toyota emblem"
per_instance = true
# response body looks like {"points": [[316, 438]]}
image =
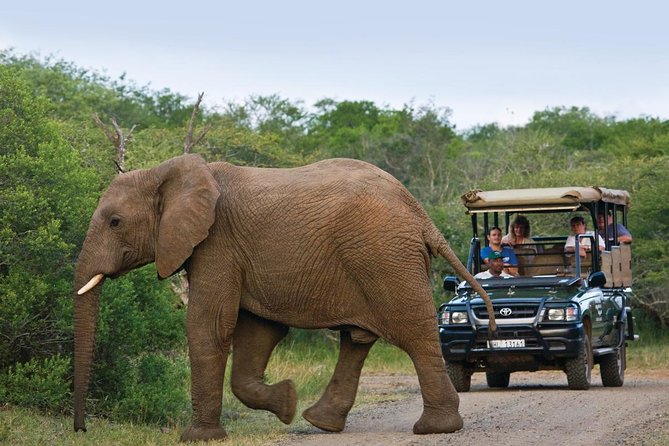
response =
{"points": [[506, 311]]}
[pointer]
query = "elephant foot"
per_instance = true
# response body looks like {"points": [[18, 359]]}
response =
{"points": [[204, 434], [437, 422], [287, 396], [327, 420]]}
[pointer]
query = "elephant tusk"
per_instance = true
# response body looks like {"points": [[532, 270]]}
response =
{"points": [[91, 284]]}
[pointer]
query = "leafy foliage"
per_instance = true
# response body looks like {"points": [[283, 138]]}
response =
{"points": [[42, 202], [79, 93], [153, 391], [39, 383]]}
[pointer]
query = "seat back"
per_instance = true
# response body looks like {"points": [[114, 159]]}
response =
{"points": [[547, 262], [626, 264], [586, 263], [525, 258], [617, 266]]}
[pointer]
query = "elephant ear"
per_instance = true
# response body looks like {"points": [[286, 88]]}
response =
{"points": [[186, 209]]}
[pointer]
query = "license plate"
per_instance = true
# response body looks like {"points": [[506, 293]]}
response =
{"points": [[506, 343]]}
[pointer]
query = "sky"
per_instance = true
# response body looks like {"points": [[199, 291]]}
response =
{"points": [[486, 61]]}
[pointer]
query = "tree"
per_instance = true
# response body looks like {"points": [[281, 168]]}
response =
{"points": [[44, 196], [639, 138], [580, 128], [79, 93]]}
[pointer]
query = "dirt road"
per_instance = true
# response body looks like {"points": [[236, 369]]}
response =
{"points": [[536, 409]]}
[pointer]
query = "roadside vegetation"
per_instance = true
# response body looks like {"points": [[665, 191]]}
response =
{"points": [[55, 162]]}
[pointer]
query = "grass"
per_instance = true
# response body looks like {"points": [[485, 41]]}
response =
{"points": [[648, 356], [308, 362], [652, 349]]}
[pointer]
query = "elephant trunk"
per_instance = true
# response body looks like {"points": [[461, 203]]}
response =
{"points": [[86, 308]]}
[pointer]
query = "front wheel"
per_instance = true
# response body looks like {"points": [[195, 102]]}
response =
{"points": [[497, 380], [460, 375], [579, 369], [612, 367]]}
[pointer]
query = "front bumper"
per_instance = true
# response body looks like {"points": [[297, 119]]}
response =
{"points": [[545, 343]]}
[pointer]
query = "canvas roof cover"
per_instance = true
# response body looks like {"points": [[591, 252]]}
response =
{"points": [[541, 199]]}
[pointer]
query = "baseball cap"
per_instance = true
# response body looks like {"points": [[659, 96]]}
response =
{"points": [[495, 255]]}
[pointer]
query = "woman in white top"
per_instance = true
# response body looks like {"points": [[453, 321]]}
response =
{"points": [[519, 233], [519, 237]]}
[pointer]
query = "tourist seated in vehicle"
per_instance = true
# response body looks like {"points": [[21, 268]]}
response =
{"points": [[624, 235], [578, 226], [519, 233], [495, 245], [520, 240], [496, 268]]}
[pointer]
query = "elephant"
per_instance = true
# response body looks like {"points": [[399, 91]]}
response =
{"points": [[337, 244]]}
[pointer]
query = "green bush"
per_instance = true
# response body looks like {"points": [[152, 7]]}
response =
{"points": [[39, 383], [141, 325], [155, 391]]}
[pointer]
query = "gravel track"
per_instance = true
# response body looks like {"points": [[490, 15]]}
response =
{"points": [[536, 409]]}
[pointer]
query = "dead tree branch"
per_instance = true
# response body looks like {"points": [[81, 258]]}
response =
{"points": [[179, 284], [117, 138], [189, 143]]}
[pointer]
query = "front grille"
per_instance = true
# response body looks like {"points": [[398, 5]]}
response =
{"points": [[502, 311]]}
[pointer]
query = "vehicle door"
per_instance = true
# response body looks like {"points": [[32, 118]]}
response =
{"points": [[598, 317], [612, 305]]}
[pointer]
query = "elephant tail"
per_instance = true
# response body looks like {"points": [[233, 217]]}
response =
{"points": [[438, 245]]}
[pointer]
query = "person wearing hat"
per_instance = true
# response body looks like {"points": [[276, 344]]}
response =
{"points": [[496, 267]]}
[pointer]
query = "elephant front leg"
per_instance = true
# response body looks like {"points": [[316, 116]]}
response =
{"points": [[330, 411], [210, 329], [207, 373], [253, 343]]}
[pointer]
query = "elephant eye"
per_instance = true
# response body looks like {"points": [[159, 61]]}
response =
{"points": [[114, 222]]}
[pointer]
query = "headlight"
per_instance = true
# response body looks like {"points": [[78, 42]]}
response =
{"points": [[563, 314], [459, 317], [556, 314], [453, 317]]}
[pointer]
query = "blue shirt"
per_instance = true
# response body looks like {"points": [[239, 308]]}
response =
{"points": [[508, 256]]}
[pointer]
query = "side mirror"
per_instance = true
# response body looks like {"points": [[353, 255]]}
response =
{"points": [[597, 279], [451, 283]]}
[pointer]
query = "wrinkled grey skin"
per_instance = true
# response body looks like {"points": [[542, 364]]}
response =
{"points": [[337, 244]]}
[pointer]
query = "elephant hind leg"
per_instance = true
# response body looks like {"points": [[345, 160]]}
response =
{"points": [[254, 340], [439, 419], [440, 400], [330, 411]]}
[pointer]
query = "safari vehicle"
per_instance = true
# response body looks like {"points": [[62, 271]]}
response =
{"points": [[562, 311]]}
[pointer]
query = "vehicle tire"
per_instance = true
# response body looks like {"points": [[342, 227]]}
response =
{"points": [[612, 367], [579, 369], [460, 375], [497, 379]]}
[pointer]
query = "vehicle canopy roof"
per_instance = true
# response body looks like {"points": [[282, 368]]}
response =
{"points": [[553, 198]]}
